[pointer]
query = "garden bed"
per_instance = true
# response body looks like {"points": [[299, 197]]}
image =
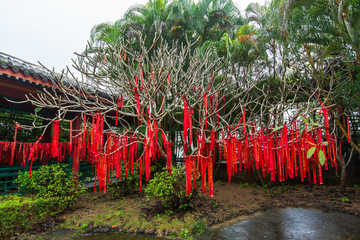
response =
{"points": [[97, 212]]}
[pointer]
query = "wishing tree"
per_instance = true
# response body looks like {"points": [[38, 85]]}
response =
{"points": [[130, 96]]}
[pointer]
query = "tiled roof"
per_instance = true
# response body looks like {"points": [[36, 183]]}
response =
{"points": [[17, 64], [37, 72]]}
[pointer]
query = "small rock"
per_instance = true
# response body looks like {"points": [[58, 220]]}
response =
{"points": [[152, 231], [91, 223], [106, 230]]}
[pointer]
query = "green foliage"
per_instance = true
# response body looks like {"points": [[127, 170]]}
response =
{"points": [[124, 187], [321, 157], [171, 190], [311, 152], [19, 214], [84, 226], [7, 129], [55, 191], [199, 227], [345, 199], [185, 234], [50, 181], [321, 154]]}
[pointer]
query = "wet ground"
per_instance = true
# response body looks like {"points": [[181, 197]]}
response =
{"points": [[291, 223], [287, 223], [67, 235], [119, 236], [231, 203]]}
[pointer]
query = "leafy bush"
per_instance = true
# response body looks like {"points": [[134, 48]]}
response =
{"points": [[56, 191], [50, 181], [124, 187], [171, 190], [19, 214]]}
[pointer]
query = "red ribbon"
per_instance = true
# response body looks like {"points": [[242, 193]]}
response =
{"points": [[71, 133]]}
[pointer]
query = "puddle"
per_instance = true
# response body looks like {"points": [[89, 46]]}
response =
{"points": [[291, 223]]}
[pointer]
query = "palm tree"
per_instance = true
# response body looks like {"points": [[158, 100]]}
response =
{"points": [[210, 19], [106, 33], [177, 20], [150, 20]]}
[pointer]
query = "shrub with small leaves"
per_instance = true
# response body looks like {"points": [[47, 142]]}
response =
{"points": [[50, 181], [55, 190], [170, 189]]}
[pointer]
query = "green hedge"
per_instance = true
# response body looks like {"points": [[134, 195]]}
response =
{"points": [[19, 214]]}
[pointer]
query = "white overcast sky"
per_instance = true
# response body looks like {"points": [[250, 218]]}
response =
{"points": [[50, 31]]}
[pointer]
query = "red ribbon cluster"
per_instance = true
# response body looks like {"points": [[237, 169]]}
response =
{"points": [[201, 163], [118, 151], [16, 152], [281, 154]]}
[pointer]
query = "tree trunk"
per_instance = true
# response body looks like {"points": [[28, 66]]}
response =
{"points": [[343, 166], [342, 174]]}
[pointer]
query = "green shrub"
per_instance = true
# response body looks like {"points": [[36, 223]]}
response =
{"points": [[124, 187], [171, 190], [19, 214], [55, 191], [50, 181]]}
